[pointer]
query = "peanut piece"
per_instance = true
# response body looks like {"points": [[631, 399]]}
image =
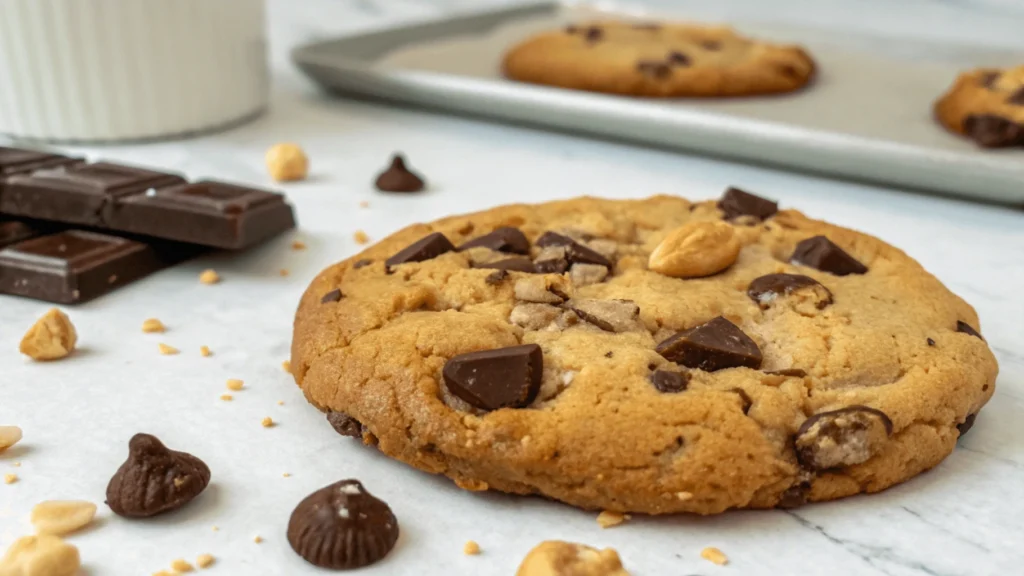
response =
{"points": [[151, 325], [60, 517], [9, 436], [714, 555], [607, 518], [205, 561], [209, 276], [42, 555], [52, 337], [286, 162], [554, 558], [471, 548], [696, 249]]}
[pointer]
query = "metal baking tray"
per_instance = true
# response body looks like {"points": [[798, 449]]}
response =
{"points": [[867, 116]]}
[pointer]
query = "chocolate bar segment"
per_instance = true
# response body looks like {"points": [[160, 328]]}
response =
{"points": [[17, 161], [208, 213], [12, 231], [74, 266]]}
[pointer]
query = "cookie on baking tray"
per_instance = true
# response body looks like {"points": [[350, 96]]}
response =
{"points": [[987, 106], [666, 60], [651, 355]]}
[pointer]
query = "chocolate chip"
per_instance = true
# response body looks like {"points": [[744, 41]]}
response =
{"points": [[342, 527], [821, 253], [988, 79], [551, 260], [744, 399], [593, 34], [426, 248], [653, 68], [966, 425], [931, 342], [715, 345], [993, 131], [496, 277], [711, 45], [795, 496], [1017, 98], [609, 354], [670, 382], [398, 178], [677, 58], [735, 203], [966, 328], [493, 379], [155, 479], [513, 264], [332, 296], [766, 289], [608, 315], [361, 263], [841, 437], [345, 425], [788, 373], [575, 252], [504, 239]]}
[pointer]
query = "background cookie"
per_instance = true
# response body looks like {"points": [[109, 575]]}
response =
{"points": [[658, 60], [986, 105], [798, 361]]}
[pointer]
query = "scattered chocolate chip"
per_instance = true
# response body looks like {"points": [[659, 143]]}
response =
{"points": [[504, 239], [593, 34], [608, 315], [493, 379], [575, 252], [715, 345], [821, 253], [766, 289], [398, 178], [345, 425], [711, 45], [426, 248], [155, 479], [788, 373], [966, 425], [966, 328], [795, 496], [670, 382], [551, 260], [735, 203], [332, 296], [342, 527], [841, 437], [496, 277], [361, 263], [653, 68], [745, 399], [677, 58], [992, 131], [513, 264], [931, 342], [988, 79], [1017, 98]]}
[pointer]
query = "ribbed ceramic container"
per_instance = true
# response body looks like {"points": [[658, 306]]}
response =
{"points": [[117, 70]]}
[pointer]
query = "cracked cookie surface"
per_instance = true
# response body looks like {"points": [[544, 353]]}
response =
{"points": [[820, 363], [658, 60]]}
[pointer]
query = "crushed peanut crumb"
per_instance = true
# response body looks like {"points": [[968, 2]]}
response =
{"points": [[712, 554], [258, 539], [267, 422], [16, 464], [209, 276], [286, 162], [282, 272], [180, 565], [235, 384], [60, 517], [471, 548], [298, 245], [280, 402], [9, 436], [204, 561], [216, 528], [204, 351], [227, 397], [10, 478], [684, 495], [286, 475], [360, 237], [52, 337], [150, 325], [166, 350], [287, 366], [607, 518], [364, 203]]}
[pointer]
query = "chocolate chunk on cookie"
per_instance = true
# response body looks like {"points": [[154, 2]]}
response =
{"points": [[735, 203], [504, 239], [821, 253], [714, 345], [669, 382], [966, 328], [765, 290], [426, 248], [575, 253], [493, 379], [510, 264], [345, 425], [841, 437]]}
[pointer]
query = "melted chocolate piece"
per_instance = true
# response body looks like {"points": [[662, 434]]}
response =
{"points": [[745, 399], [504, 239], [821, 253], [496, 277], [1017, 98], [841, 437], [715, 345], [930, 342], [735, 203], [765, 289], [427, 248], [493, 379], [670, 382], [398, 178], [795, 496]]}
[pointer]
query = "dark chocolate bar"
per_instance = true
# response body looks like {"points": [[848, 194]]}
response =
{"points": [[74, 266], [17, 161], [161, 205]]}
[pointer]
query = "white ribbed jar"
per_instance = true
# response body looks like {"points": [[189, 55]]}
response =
{"points": [[116, 70]]}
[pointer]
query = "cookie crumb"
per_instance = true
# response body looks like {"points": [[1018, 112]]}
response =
{"points": [[16, 464], [607, 518], [258, 539], [167, 350], [204, 561], [286, 162], [227, 397], [280, 402], [209, 276], [150, 325], [216, 528], [10, 478], [712, 554], [235, 384], [52, 337], [471, 548], [684, 496], [364, 204], [286, 475], [360, 237], [287, 366], [9, 436], [298, 245], [282, 272], [204, 351], [267, 422], [180, 565]]}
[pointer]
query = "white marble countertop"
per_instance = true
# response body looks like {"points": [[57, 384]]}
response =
{"points": [[963, 518]]}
